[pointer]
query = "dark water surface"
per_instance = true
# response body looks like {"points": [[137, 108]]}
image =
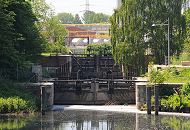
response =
{"points": [[93, 120]]}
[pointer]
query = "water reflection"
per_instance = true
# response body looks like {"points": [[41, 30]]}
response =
{"points": [[12, 122], [92, 120]]}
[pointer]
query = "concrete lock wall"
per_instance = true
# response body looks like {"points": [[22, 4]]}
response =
{"points": [[101, 97], [93, 94]]}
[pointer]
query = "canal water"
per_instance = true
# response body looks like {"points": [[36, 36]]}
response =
{"points": [[94, 120]]}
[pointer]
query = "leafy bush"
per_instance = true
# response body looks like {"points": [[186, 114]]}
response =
{"points": [[57, 48], [15, 99], [185, 90], [171, 102], [155, 76], [13, 104], [180, 100], [185, 101], [100, 49], [177, 75]]}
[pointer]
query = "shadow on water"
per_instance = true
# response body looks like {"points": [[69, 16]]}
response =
{"points": [[93, 120]]}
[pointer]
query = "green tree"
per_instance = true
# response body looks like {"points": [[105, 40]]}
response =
{"points": [[19, 36], [8, 54], [131, 26], [50, 27], [77, 19], [28, 40], [42, 10], [66, 18], [101, 18], [92, 17], [187, 39], [55, 33]]}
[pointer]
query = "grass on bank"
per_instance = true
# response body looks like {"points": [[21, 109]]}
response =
{"points": [[176, 75], [169, 75], [14, 99]]}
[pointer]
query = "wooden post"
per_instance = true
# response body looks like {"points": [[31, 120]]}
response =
{"points": [[148, 99], [156, 92]]}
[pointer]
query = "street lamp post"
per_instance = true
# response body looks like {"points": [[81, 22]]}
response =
{"points": [[166, 24]]}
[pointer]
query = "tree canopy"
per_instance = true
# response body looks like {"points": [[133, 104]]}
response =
{"points": [[77, 19], [19, 36], [66, 18], [92, 17], [133, 36], [8, 53], [187, 40], [50, 27]]}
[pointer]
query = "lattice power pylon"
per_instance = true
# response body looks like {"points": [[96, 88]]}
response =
{"points": [[87, 5]]}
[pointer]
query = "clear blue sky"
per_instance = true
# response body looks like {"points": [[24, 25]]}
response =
{"points": [[76, 6]]}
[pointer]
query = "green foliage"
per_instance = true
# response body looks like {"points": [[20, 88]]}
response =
{"points": [[169, 75], [8, 54], [12, 105], [28, 41], [186, 49], [66, 18], [100, 49], [180, 100], [176, 75], [185, 100], [15, 99], [131, 25], [155, 76], [55, 35], [185, 90], [57, 48], [90, 17], [51, 28], [42, 11], [20, 40], [171, 102], [77, 19]]}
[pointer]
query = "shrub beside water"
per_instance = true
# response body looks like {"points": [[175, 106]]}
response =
{"points": [[14, 99], [15, 105], [179, 100]]}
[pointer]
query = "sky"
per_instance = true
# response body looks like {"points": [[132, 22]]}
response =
{"points": [[78, 6]]}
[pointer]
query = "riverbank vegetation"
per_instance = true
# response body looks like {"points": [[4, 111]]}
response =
{"points": [[179, 101], [169, 75], [172, 98], [15, 99]]}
